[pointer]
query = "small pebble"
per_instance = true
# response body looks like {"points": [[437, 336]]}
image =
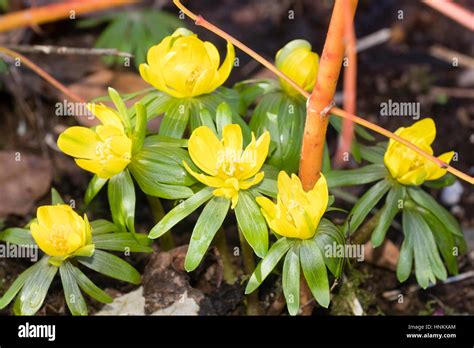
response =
{"points": [[451, 195]]}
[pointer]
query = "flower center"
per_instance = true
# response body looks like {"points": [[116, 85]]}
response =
{"points": [[105, 152], [59, 237]]}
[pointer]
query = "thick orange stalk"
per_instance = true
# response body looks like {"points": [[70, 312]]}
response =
{"points": [[321, 99], [54, 12]]}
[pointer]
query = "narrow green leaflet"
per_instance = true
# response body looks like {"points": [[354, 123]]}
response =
{"points": [[359, 176], [393, 204], [121, 193], [223, 117], [157, 140], [207, 225], [18, 236], [264, 268], [206, 120], [102, 226], [283, 117], [366, 203], [94, 187], [405, 261], [111, 266], [291, 280], [74, 299], [175, 120], [373, 154], [159, 172], [268, 187], [124, 242], [88, 286], [430, 204], [252, 223], [139, 133], [314, 270], [36, 287], [181, 211], [121, 108], [428, 263], [445, 241], [56, 197], [17, 285], [446, 180], [329, 236]]}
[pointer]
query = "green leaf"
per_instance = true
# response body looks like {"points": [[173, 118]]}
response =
{"points": [[250, 90], [223, 117], [207, 225], [56, 197], [430, 204], [121, 193], [359, 176], [366, 203], [157, 140], [74, 299], [283, 117], [428, 264], [446, 180], [268, 187], [94, 187], [291, 280], [206, 120], [121, 108], [181, 211], [252, 223], [123, 242], [268, 263], [139, 133], [314, 270], [405, 260], [326, 236], [111, 266], [89, 287], [18, 236], [36, 287], [444, 239], [159, 171], [102, 226], [373, 154], [176, 118], [389, 211], [17, 285]]}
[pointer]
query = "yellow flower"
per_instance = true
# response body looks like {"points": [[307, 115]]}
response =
{"points": [[105, 150], [184, 66], [408, 167], [229, 168], [297, 61], [297, 213], [60, 232]]}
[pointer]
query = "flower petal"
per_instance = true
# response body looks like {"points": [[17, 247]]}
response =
{"points": [[106, 115], [433, 170], [204, 149], [258, 152], [205, 179], [232, 139], [79, 142], [226, 67]]}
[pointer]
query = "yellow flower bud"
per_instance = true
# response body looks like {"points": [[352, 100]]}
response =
{"points": [[60, 232], [105, 150], [297, 61], [408, 167], [182, 65], [229, 168], [297, 213]]}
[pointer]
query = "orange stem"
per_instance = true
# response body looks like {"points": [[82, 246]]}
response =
{"points": [[54, 12], [41, 73], [349, 89], [322, 96], [454, 11]]}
